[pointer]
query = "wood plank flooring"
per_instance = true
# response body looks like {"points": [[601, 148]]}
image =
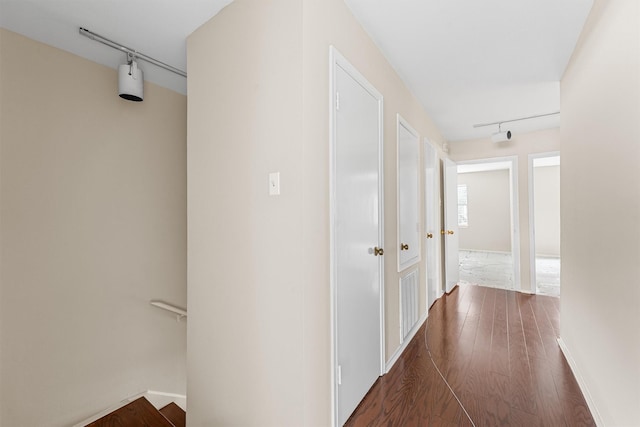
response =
{"points": [[497, 350], [140, 412], [175, 414]]}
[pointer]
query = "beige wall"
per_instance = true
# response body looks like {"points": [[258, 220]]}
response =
{"points": [[521, 146], [259, 301], [546, 190], [93, 195], [600, 185], [246, 276], [489, 209]]}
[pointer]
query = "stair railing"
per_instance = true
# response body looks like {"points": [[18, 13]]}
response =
{"points": [[179, 312]]}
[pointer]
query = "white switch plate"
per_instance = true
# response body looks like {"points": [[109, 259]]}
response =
{"points": [[274, 184]]}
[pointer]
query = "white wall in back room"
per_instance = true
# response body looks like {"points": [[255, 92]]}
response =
{"points": [[489, 211], [547, 210]]}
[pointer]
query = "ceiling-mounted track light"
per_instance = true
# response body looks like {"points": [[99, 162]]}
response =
{"points": [[130, 77], [130, 80], [501, 136]]}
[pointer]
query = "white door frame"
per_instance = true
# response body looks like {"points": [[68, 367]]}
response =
{"points": [[515, 211], [336, 59], [532, 216]]}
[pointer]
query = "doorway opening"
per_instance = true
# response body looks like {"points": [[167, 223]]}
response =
{"points": [[488, 223], [544, 220]]}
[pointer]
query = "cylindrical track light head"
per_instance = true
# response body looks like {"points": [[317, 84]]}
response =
{"points": [[501, 136], [131, 82]]}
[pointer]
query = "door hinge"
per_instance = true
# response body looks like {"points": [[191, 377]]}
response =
{"points": [[339, 375], [337, 101]]}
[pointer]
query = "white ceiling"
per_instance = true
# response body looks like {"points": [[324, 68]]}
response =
{"points": [[471, 61], [467, 61]]}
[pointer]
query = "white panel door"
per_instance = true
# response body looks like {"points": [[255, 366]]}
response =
{"points": [[450, 232], [408, 196], [432, 232], [357, 238]]}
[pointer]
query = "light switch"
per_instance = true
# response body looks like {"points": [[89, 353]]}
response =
{"points": [[274, 184]]}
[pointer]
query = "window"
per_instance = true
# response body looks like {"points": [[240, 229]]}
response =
{"points": [[463, 210]]}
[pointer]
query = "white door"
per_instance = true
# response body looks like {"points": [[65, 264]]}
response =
{"points": [[432, 232], [450, 232], [357, 257], [408, 195]]}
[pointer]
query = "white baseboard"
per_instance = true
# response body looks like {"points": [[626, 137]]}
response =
{"points": [[396, 355], [583, 386]]}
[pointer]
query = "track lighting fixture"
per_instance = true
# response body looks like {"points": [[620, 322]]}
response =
{"points": [[501, 136], [130, 77], [130, 80]]}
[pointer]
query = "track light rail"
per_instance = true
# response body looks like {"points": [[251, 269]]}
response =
{"points": [[135, 54], [515, 120]]}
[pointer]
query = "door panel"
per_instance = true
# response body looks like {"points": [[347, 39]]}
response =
{"points": [[357, 228], [452, 262], [408, 210], [432, 231]]}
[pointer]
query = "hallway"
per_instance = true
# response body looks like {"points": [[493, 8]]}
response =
{"points": [[498, 351]]}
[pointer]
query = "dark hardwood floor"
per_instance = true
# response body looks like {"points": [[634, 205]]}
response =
{"points": [[175, 414], [498, 352], [137, 413]]}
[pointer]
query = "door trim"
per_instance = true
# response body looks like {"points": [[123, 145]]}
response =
{"points": [[336, 59], [515, 211], [532, 216]]}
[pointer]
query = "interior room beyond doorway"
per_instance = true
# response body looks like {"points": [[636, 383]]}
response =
{"points": [[485, 224]]}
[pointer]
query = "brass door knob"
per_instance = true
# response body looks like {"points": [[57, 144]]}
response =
{"points": [[429, 236], [404, 247], [443, 232], [449, 231], [378, 251]]}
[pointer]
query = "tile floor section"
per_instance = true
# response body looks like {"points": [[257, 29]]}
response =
{"points": [[548, 276], [495, 270]]}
